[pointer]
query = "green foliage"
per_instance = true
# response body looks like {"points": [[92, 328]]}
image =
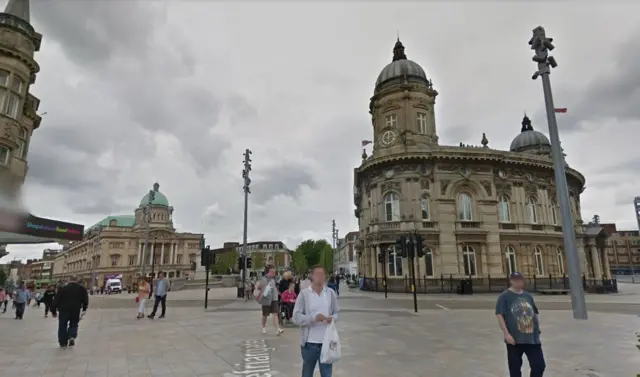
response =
{"points": [[3, 276], [225, 262], [257, 261], [299, 262], [316, 252]]}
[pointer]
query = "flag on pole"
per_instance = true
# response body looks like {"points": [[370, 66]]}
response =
{"points": [[561, 110], [366, 142]]}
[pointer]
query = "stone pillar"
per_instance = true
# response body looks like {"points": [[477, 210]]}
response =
{"points": [[172, 251], [375, 270], [153, 253], [139, 260], [595, 260], [607, 267], [483, 258], [161, 254]]}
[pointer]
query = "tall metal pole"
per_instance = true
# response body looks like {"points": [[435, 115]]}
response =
{"points": [[247, 191], [384, 268], [542, 45], [334, 238], [147, 214], [636, 206]]}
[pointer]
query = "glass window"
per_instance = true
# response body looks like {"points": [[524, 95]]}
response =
{"points": [[4, 155], [392, 207], [16, 84], [395, 263], [469, 260], [391, 120], [504, 213], [4, 77], [510, 255], [421, 123], [532, 210], [560, 259], [114, 260], [428, 262], [424, 206], [554, 213], [538, 260], [12, 102], [464, 207]]}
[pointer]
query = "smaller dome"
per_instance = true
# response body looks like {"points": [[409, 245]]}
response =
{"points": [[400, 68], [159, 198], [529, 139]]}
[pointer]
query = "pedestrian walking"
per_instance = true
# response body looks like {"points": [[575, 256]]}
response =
{"points": [[4, 299], [144, 289], [517, 315], [315, 309], [47, 299], [21, 298], [268, 299], [67, 304], [160, 296]]}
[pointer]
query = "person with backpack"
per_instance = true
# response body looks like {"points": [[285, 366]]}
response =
{"points": [[268, 299]]}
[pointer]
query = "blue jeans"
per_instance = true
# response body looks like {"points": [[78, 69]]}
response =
{"points": [[310, 357], [67, 326]]}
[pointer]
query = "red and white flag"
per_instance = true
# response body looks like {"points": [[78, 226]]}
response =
{"points": [[561, 110], [366, 142]]}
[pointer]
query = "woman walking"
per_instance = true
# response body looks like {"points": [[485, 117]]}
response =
{"points": [[143, 294]]}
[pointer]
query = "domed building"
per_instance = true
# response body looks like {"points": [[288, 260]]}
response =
{"points": [[115, 246], [482, 212]]}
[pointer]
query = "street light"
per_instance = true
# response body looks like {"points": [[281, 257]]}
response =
{"points": [[146, 210], [247, 191], [542, 45]]}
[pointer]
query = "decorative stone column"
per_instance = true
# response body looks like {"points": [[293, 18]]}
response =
{"points": [[139, 260], [161, 254], [377, 252], [153, 253], [606, 267], [595, 260], [483, 259]]}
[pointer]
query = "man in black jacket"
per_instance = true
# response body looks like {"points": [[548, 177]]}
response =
{"points": [[47, 299], [67, 304]]}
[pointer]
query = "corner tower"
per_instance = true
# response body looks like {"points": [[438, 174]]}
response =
{"points": [[18, 108], [402, 107]]}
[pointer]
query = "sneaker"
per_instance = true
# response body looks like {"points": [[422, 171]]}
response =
{"points": [[162, 316], [279, 331], [45, 316], [150, 316], [264, 330], [63, 346], [72, 342]]}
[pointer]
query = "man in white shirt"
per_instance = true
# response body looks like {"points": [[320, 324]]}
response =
{"points": [[315, 309]]}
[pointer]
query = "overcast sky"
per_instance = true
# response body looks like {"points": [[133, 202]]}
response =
{"points": [[174, 91]]}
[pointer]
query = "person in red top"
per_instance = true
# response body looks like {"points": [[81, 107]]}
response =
{"points": [[289, 300]]}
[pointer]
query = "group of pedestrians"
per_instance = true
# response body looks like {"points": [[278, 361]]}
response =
{"points": [[145, 291]]}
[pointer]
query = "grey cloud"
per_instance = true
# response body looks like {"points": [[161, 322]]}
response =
{"points": [[240, 109], [286, 179], [96, 204], [613, 95]]}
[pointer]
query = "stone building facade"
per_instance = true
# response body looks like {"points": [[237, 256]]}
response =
{"points": [[482, 211], [18, 107], [115, 246]]}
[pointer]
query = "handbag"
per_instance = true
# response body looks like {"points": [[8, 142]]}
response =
{"points": [[331, 348], [137, 299]]}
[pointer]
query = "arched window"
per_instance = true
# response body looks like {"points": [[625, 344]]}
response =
{"points": [[538, 261], [504, 213], [392, 207], [560, 259], [554, 213], [428, 262], [532, 211], [465, 212], [469, 260], [510, 255], [395, 262], [424, 206]]}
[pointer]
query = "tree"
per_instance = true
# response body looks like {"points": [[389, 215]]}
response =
{"points": [[299, 262], [225, 262], [257, 261], [317, 252], [3, 276]]}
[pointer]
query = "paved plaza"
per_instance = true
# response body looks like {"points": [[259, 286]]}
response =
{"points": [[379, 338]]}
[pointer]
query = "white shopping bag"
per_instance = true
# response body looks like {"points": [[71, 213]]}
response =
{"points": [[331, 348]]}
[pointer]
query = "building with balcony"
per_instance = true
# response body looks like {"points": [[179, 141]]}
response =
{"points": [[481, 211], [115, 246]]}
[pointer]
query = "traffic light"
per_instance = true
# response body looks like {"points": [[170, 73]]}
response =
{"points": [[419, 247], [249, 263], [205, 256], [381, 258], [241, 263], [401, 244]]}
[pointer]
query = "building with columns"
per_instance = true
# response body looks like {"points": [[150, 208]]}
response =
{"points": [[482, 211], [116, 246]]}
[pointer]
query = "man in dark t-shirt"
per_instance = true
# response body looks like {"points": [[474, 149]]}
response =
{"points": [[518, 319]]}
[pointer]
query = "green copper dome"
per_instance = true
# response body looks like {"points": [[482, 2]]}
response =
{"points": [[159, 199]]}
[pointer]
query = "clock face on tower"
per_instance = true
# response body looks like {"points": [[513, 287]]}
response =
{"points": [[388, 137]]}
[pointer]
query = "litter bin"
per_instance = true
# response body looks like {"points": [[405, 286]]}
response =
{"points": [[465, 288], [240, 292]]}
